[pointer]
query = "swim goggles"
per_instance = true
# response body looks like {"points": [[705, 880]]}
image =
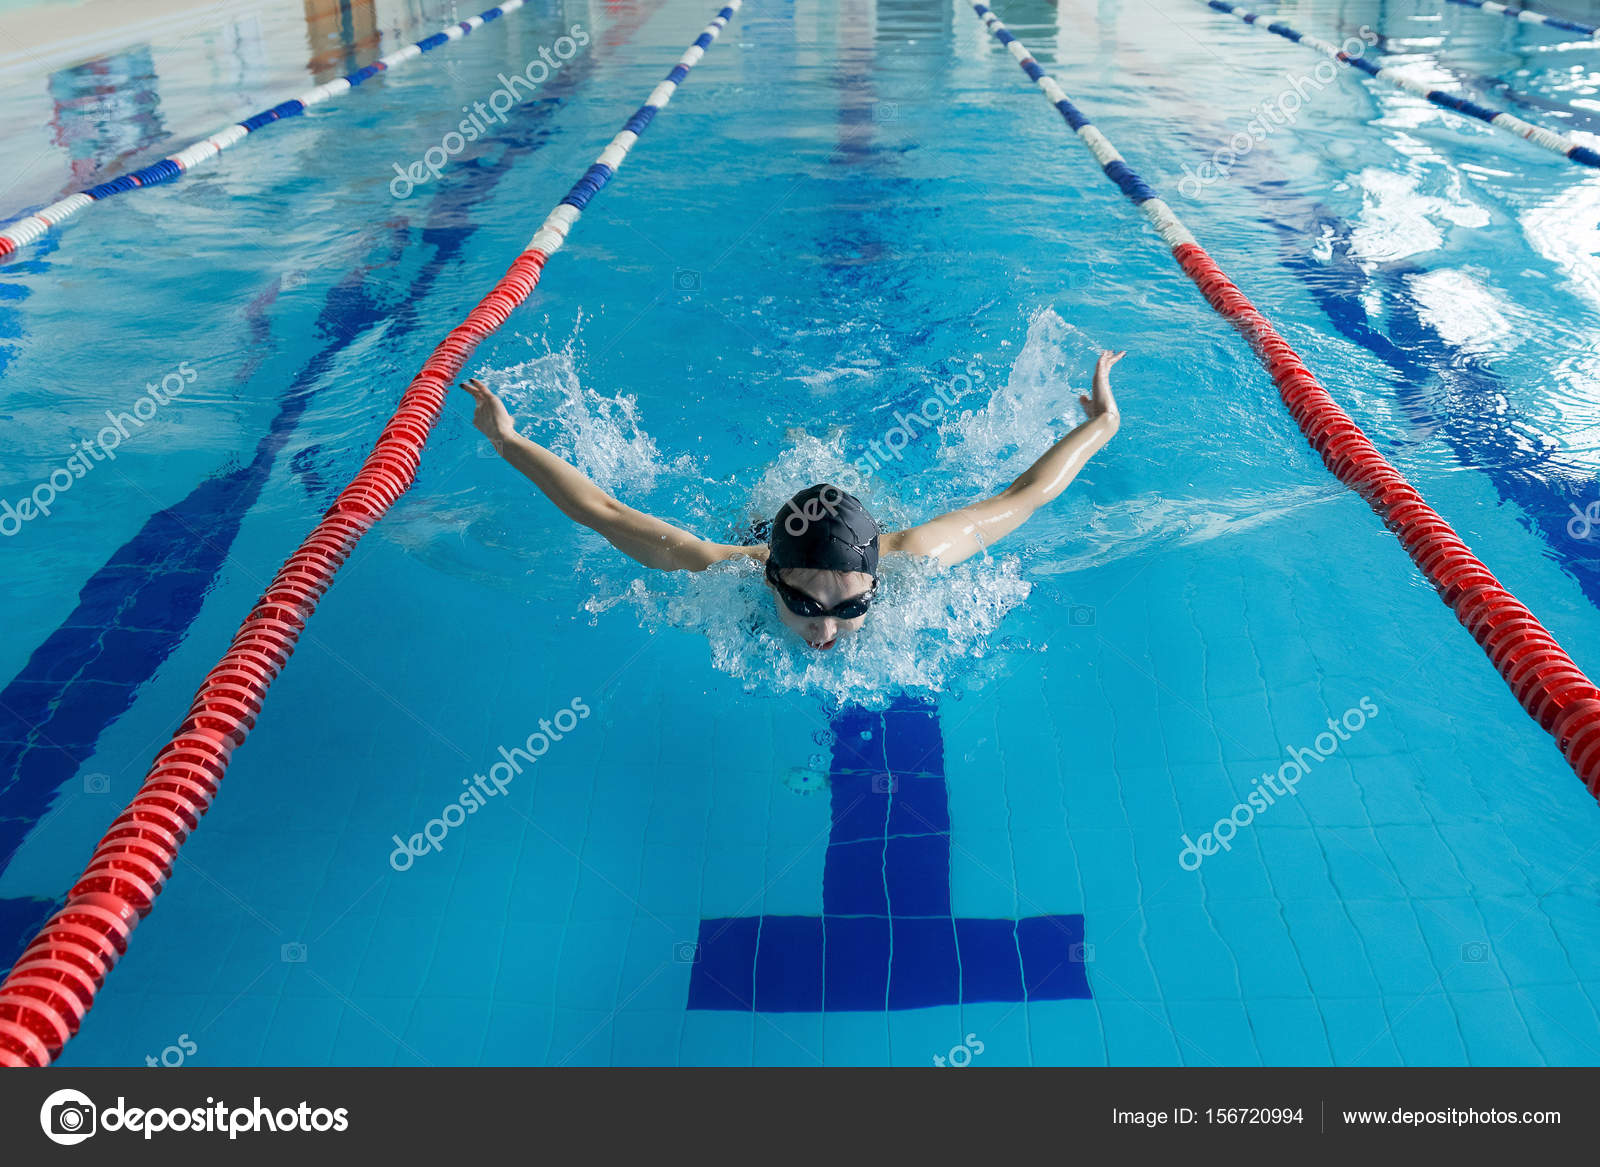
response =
{"points": [[805, 606]]}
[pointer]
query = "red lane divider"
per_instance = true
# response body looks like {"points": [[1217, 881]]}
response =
{"points": [[45, 997], [1553, 690], [1542, 676], [53, 984]]}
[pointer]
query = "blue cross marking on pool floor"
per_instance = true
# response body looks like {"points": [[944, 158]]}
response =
{"points": [[887, 937]]}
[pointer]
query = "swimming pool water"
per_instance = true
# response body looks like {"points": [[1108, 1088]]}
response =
{"points": [[938, 841]]}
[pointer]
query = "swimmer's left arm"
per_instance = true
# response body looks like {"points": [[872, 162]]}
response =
{"points": [[964, 533]]}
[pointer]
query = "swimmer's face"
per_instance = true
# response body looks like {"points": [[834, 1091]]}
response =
{"points": [[829, 589]]}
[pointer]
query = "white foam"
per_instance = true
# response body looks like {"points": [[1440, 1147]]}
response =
{"points": [[930, 629]]}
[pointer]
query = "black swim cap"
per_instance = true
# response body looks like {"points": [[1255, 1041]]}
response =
{"points": [[824, 528]]}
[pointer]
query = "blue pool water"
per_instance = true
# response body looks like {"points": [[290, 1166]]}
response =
{"points": [[960, 837]]}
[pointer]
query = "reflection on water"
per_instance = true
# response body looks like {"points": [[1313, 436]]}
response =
{"points": [[106, 111]]}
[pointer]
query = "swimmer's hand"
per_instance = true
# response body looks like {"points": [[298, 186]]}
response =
{"points": [[489, 414], [1103, 404]]}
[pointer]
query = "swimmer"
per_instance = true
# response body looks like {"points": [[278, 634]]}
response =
{"points": [[822, 553]]}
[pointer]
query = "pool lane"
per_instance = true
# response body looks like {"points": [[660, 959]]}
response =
{"points": [[1490, 435], [1487, 431], [136, 609]]}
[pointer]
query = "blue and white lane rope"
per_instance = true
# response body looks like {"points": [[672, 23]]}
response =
{"points": [[552, 233], [33, 227], [1528, 17], [1172, 232], [1538, 135]]}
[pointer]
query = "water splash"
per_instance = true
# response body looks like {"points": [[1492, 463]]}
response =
{"points": [[985, 448], [833, 457], [602, 436], [930, 629]]}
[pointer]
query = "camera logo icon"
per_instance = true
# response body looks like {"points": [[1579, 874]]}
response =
{"points": [[293, 953], [885, 784], [67, 1117], [97, 783], [1475, 952], [1081, 615], [685, 280], [1081, 953], [686, 952]]}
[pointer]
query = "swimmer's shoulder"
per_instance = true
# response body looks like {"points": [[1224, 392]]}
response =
{"points": [[752, 545], [723, 552]]}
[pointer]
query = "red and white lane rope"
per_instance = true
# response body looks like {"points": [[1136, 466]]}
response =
{"points": [[33, 227], [1547, 683], [1556, 143], [44, 998]]}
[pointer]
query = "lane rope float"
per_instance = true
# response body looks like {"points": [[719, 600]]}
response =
{"points": [[1541, 675], [1556, 143], [1527, 16], [34, 227], [52, 986]]}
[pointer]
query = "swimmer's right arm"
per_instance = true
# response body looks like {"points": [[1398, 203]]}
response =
{"points": [[974, 529], [642, 537]]}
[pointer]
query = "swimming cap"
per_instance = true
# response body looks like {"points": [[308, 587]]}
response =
{"points": [[824, 528]]}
